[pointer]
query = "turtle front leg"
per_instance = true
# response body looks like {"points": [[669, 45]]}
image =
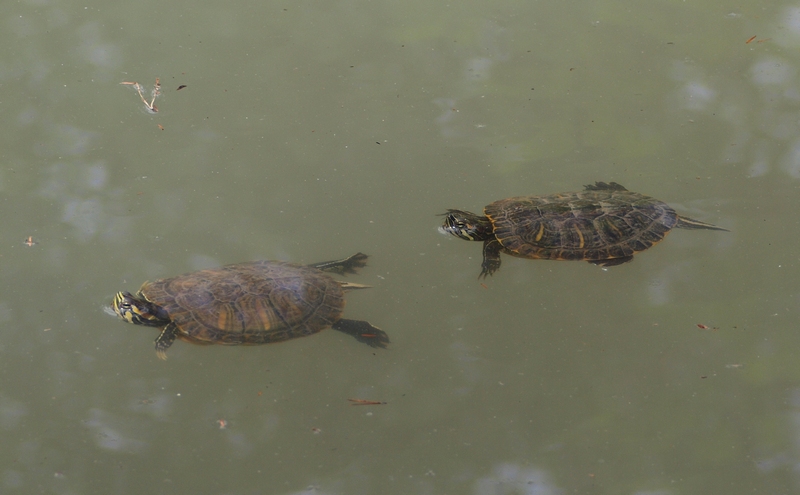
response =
{"points": [[165, 339], [491, 257]]}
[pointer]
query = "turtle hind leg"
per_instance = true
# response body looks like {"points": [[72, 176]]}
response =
{"points": [[688, 223], [165, 339], [347, 265], [612, 261], [363, 332], [491, 257]]}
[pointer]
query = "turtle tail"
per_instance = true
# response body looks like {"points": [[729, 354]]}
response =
{"points": [[688, 223]]}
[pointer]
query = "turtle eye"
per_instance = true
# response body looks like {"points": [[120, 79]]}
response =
{"points": [[452, 223], [459, 227]]}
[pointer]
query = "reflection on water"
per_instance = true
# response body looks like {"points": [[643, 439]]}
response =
{"points": [[11, 413], [509, 478], [114, 434], [87, 203]]}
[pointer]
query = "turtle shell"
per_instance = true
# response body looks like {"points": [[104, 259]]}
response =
{"points": [[602, 222], [257, 302]]}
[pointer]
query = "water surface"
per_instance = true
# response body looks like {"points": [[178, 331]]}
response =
{"points": [[309, 131]]}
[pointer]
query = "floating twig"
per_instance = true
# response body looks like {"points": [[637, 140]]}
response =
{"points": [[364, 402], [151, 105]]}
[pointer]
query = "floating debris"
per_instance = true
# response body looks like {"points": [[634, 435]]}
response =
{"points": [[706, 327], [364, 402], [151, 105]]}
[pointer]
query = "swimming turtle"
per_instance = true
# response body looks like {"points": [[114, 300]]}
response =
{"points": [[257, 302], [604, 224]]}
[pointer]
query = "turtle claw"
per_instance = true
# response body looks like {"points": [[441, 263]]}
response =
{"points": [[488, 268]]}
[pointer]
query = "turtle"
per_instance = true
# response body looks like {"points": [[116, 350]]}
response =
{"points": [[256, 302], [604, 224]]}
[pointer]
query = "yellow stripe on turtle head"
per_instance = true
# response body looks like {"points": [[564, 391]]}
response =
{"points": [[138, 312], [122, 311]]}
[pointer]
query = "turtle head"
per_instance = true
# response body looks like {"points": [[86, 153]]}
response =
{"points": [[467, 226], [138, 310]]}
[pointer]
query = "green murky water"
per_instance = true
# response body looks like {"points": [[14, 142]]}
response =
{"points": [[309, 131]]}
